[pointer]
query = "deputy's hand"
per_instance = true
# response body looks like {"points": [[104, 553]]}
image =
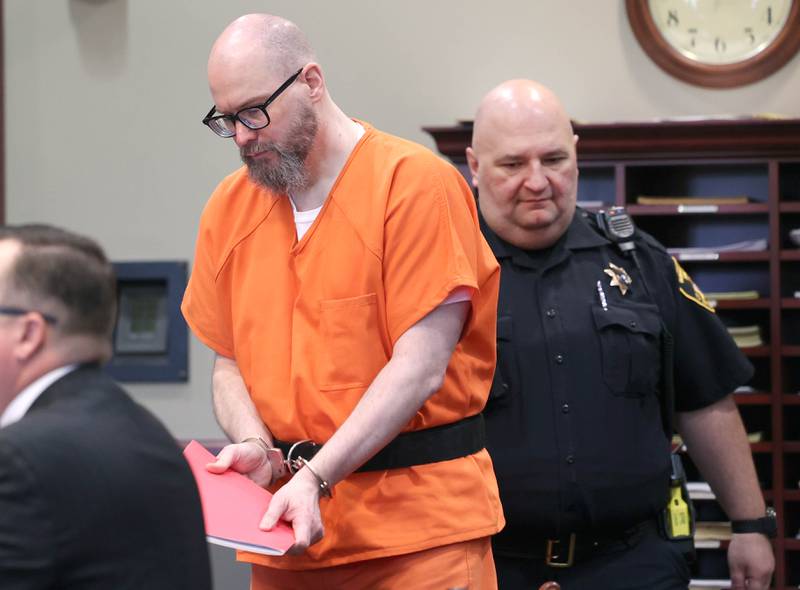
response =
{"points": [[248, 458], [297, 503], [751, 561]]}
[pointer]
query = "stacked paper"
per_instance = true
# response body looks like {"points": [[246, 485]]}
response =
{"points": [[712, 531], [699, 490], [731, 295], [746, 336], [648, 200], [709, 584], [758, 245]]}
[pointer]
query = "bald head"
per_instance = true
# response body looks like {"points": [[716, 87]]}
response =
{"points": [[514, 102], [260, 40], [524, 164]]}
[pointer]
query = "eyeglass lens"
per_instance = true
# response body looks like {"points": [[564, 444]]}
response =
{"points": [[253, 118]]}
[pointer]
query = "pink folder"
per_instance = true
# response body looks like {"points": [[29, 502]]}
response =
{"points": [[233, 506]]}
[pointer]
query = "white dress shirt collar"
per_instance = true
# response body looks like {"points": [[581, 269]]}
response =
{"points": [[20, 405]]}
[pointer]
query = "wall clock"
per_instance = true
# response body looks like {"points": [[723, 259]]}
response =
{"points": [[717, 43]]}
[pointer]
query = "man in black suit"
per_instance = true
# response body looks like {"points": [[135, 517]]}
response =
{"points": [[94, 492]]}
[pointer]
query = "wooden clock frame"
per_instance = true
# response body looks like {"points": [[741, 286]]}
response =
{"points": [[755, 68]]}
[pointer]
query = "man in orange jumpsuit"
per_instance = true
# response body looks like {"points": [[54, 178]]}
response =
{"points": [[343, 282]]}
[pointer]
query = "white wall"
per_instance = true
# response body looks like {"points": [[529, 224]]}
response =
{"points": [[104, 100]]}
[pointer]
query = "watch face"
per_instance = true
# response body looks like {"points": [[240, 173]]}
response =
{"points": [[719, 32]]}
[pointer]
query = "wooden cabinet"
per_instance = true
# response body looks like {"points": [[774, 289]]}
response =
{"points": [[759, 159]]}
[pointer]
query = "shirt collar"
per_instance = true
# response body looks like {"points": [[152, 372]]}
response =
{"points": [[20, 405], [579, 235]]}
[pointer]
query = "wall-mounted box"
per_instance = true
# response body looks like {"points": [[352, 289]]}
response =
{"points": [[151, 338]]}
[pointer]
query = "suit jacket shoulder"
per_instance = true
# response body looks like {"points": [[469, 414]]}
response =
{"points": [[103, 482]]}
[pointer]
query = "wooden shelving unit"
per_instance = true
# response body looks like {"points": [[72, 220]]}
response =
{"points": [[756, 158]]}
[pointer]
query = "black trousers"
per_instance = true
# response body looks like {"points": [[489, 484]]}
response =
{"points": [[646, 562]]}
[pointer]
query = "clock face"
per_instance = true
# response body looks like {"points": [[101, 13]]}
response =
{"points": [[719, 32]]}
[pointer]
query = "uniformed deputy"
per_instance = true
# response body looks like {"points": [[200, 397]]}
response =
{"points": [[575, 419]]}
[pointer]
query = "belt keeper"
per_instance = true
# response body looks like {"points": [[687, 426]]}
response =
{"points": [[324, 485]]}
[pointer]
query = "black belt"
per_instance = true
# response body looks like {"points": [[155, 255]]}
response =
{"points": [[568, 549], [419, 447]]}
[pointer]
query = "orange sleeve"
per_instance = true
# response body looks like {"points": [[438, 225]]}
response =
{"points": [[430, 240], [208, 316]]}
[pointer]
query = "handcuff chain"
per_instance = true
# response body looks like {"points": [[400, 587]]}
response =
{"points": [[295, 465]]}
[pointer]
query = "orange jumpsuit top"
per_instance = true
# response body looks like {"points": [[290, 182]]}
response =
{"points": [[311, 323]]}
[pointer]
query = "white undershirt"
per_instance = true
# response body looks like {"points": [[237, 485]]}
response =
{"points": [[20, 405], [304, 219]]}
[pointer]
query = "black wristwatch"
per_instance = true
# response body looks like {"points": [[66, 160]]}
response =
{"points": [[767, 525]]}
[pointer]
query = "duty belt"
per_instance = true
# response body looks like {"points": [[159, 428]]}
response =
{"points": [[419, 447], [568, 549]]}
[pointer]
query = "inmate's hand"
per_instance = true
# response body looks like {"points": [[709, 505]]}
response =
{"points": [[248, 458], [297, 503], [751, 561]]}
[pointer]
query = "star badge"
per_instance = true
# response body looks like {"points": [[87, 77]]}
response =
{"points": [[619, 277]]}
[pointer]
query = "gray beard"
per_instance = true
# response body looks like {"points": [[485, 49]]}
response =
{"points": [[289, 173], [286, 176]]}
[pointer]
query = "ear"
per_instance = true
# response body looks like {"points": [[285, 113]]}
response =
{"points": [[315, 81], [575, 147], [31, 337], [473, 166]]}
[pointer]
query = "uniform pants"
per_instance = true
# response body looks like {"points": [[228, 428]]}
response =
{"points": [[648, 562], [462, 566]]}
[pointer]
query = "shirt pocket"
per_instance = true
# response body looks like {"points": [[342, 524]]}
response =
{"points": [[351, 353], [505, 383], [630, 345]]}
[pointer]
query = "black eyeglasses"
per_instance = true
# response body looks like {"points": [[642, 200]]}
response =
{"points": [[9, 310], [251, 117]]}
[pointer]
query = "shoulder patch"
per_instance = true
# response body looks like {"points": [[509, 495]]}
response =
{"points": [[689, 289]]}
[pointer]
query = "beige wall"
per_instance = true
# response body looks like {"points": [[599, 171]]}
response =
{"points": [[104, 100]]}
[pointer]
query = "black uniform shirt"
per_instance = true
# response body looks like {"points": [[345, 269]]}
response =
{"points": [[574, 420]]}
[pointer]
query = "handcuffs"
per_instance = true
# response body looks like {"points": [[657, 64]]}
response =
{"points": [[279, 465]]}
